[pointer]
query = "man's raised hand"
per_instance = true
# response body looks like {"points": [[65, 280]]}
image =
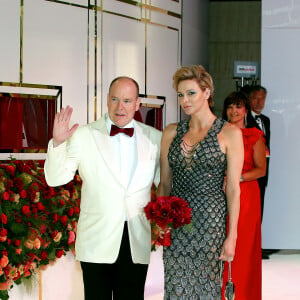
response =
{"points": [[61, 131]]}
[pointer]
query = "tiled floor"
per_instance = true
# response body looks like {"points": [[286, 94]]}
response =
{"points": [[281, 276]]}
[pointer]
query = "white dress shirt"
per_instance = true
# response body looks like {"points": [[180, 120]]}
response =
{"points": [[125, 151], [258, 121]]}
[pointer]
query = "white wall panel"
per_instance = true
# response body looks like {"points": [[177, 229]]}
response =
{"points": [[162, 62], [81, 2], [164, 19], [95, 69], [280, 75], [119, 7], [170, 5], [10, 40], [55, 51], [123, 51]]}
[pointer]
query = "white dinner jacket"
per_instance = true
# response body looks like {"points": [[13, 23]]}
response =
{"points": [[105, 201]]}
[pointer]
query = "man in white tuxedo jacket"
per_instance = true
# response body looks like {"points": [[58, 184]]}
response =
{"points": [[113, 240]]}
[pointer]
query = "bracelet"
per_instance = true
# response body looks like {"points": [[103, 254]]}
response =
{"points": [[242, 178]]}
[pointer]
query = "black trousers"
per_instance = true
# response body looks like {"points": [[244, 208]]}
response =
{"points": [[122, 279]]}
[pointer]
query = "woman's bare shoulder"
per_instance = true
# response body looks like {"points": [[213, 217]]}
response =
{"points": [[231, 133], [170, 131], [171, 128], [231, 129]]}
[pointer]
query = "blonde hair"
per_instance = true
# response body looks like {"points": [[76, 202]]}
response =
{"points": [[197, 73]]}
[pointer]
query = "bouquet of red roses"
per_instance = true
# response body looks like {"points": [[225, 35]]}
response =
{"points": [[166, 213]]}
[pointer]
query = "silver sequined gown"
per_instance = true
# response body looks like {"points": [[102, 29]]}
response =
{"points": [[191, 263]]}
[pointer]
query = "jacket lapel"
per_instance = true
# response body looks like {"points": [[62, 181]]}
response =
{"points": [[143, 150], [105, 146]]}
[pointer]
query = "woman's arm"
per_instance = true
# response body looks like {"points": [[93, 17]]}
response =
{"points": [[165, 185], [259, 158], [235, 158]]}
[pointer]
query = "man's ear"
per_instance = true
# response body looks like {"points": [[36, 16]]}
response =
{"points": [[138, 103]]}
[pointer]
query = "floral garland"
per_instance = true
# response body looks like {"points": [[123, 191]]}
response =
{"points": [[37, 222]]}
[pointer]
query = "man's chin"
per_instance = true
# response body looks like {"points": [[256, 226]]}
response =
{"points": [[121, 122]]}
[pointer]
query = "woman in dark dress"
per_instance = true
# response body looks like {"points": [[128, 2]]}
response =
{"points": [[195, 155]]}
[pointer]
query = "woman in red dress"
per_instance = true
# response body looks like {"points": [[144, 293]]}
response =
{"points": [[246, 267]]}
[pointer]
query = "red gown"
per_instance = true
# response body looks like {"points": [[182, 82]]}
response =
{"points": [[246, 269]]}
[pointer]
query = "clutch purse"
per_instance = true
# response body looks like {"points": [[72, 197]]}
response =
{"points": [[229, 287]]}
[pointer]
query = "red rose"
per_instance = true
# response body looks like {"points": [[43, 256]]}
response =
{"points": [[10, 169], [43, 228], [34, 210], [59, 253], [19, 184], [27, 169], [23, 194], [55, 218], [61, 203], [165, 239], [164, 214], [76, 210], [40, 206], [32, 195], [41, 163], [54, 234], [31, 164], [9, 184], [64, 220], [5, 196], [17, 243], [48, 192], [26, 209], [6, 271], [44, 255], [3, 232], [70, 212], [20, 165], [4, 218]]}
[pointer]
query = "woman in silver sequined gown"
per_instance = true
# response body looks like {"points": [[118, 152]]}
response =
{"points": [[196, 154]]}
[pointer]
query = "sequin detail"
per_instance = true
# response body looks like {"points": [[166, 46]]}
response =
{"points": [[191, 263]]}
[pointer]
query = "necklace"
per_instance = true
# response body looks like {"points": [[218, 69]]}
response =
{"points": [[188, 152]]}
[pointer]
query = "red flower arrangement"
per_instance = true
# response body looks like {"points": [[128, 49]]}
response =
{"points": [[37, 222], [166, 213]]}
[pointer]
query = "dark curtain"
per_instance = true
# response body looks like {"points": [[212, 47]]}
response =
{"points": [[152, 116], [11, 122], [25, 123]]}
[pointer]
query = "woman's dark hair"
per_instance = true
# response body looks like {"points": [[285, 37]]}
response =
{"points": [[235, 98]]}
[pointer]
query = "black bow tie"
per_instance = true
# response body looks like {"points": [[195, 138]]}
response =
{"points": [[115, 130], [257, 117]]}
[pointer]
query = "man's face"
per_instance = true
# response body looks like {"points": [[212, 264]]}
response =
{"points": [[122, 102], [257, 101]]}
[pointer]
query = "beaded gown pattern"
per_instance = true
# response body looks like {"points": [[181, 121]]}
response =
{"points": [[191, 263]]}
